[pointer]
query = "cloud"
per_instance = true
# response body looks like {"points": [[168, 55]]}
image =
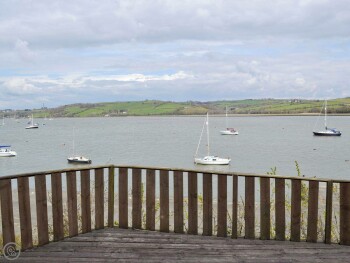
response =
{"points": [[21, 47], [89, 51]]}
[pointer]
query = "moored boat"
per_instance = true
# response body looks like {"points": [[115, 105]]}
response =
{"points": [[5, 151], [327, 131]]}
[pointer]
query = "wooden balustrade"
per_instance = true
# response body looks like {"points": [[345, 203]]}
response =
{"points": [[215, 204]]}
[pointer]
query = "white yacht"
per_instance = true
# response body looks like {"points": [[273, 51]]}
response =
{"points": [[32, 125], [209, 159], [327, 131], [228, 131], [5, 151]]}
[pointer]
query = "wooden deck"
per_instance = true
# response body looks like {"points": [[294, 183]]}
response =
{"points": [[126, 245]]}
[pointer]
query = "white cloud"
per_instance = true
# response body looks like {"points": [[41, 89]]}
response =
{"points": [[81, 51]]}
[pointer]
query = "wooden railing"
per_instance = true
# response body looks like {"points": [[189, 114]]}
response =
{"points": [[112, 183]]}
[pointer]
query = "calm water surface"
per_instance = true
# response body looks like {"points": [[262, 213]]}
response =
{"points": [[263, 143]]}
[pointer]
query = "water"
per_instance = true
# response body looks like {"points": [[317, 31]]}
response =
{"points": [[263, 143]]}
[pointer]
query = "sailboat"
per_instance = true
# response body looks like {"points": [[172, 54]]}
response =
{"points": [[209, 159], [32, 124], [79, 159], [327, 131], [228, 131]]}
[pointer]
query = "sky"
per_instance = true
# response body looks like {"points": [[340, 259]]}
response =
{"points": [[59, 52]]}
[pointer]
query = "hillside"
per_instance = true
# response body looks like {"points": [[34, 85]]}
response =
{"points": [[155, 107]]}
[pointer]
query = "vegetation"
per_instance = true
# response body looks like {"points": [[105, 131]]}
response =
{"points": [[156, 107]]}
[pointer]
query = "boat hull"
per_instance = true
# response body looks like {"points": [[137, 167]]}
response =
{"points": [[78, 161], [32, 127], [8, 154], [212, 161], [326, 134], [229, 133]]}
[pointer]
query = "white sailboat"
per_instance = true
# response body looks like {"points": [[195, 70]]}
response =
{"points": [[78, 159], [327, 131], [228, 131], [32, 125], [209, 159]]}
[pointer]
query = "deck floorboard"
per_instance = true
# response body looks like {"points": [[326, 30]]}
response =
{"points": [[127, 245]]}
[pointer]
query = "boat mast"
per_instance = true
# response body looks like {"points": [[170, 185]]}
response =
{"points": [[226, 118], [207, 123], [325, 114]]}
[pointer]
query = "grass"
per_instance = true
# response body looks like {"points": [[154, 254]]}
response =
{"points": [[156, 107]]}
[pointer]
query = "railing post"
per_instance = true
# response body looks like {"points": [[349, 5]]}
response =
{"points": [[265, 208], [178, 202], [99, 199], [192, 204], [123, 198], [222, 206], [234, 205], [85, 201], [57, 206], [24, 212], [72, 203], [8, 230], [328, 223], [312, 212], [136, 198], [249, 211], [207, 204], [295, 211], [164, 200], [345, 214], [41, 209], [150, 200], [280, 209], [111, 196]]}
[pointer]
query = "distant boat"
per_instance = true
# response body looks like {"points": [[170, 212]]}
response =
{"points": [[5, 151], [32, 124], [209, 159], [77, 158], [327, 131], [228, 131]]}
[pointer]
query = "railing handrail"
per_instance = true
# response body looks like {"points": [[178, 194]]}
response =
{"points": [[81, 168]]}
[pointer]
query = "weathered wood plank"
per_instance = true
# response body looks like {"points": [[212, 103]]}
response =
{"points": [[192, 204], [136, 198], [111, 196], [312, 212], [345, 214], [234, 205], [85, 201], [295, 211], [150, 200], [99, 199], [57, 206], [222, 206], [41, 209], [265, 208], [178, 202], [72, 203], [24, 213], [123, 198], [328, 223], [164, 200], [207, 204], [8, 230], [249, 209], [280, 209]]}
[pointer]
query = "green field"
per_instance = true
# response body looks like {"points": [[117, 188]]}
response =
{"points": [[155, 107]]}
